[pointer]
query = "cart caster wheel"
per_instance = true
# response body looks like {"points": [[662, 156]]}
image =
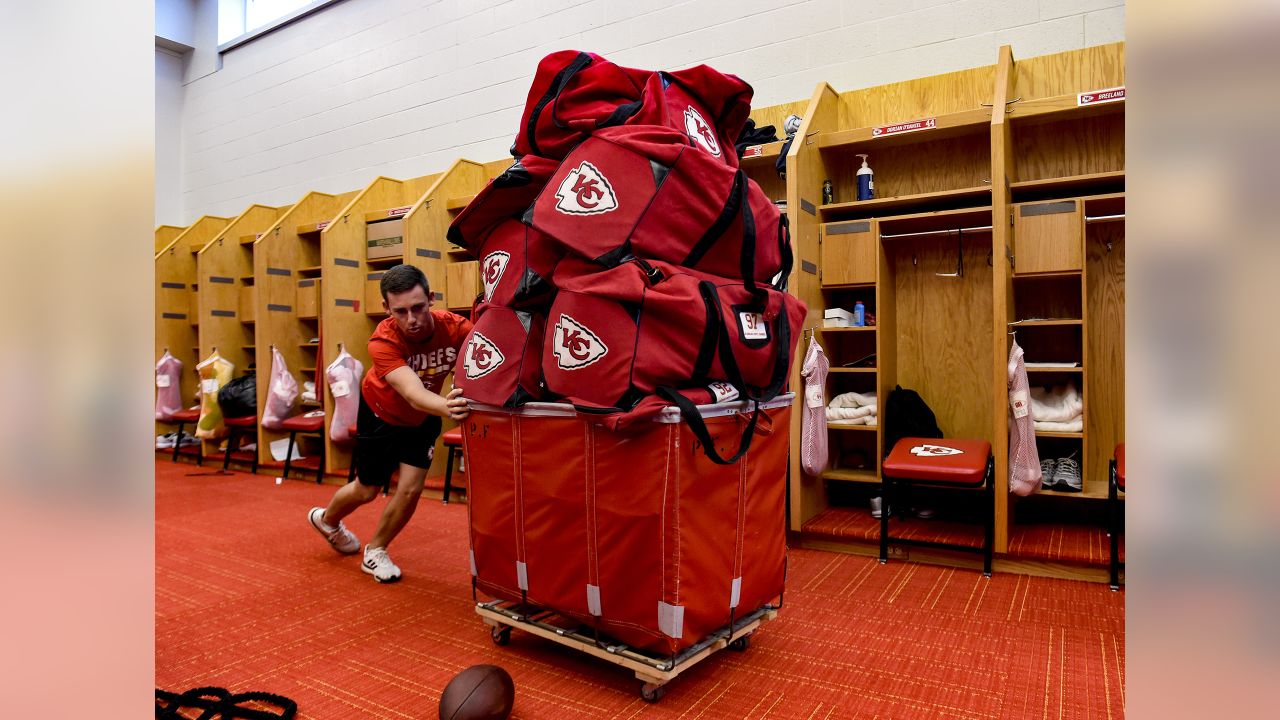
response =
{"points": [[501, 635], [652, 693], [741, 644]]}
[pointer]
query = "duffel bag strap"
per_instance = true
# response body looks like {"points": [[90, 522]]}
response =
{"points": [[784, 250], [558, 84], [698, 425], [732, 205]]}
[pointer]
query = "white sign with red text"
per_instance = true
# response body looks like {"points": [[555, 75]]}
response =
{"points": [[906, 127], [1097, 97]]}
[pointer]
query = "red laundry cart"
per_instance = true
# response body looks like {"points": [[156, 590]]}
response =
{"points": [[635, 536]]}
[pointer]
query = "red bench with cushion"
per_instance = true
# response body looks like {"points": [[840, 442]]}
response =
{"points": [[182, 418], [452, 444], [950, 463], [237, 427], [308, 424]]}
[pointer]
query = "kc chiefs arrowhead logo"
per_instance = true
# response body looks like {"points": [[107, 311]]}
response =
{"points": [[934, 451], [481, 356], [585, 191], [493, 265], [575, 346], [700, 131]]}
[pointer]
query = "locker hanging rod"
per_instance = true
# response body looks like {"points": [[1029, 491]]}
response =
{"points": [[922, 233]]}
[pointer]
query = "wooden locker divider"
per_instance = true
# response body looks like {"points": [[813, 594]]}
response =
{"points": [[225, 266], [1001, 285], [344, 320], [286, 253], [176, 315], [808, 495], [166, 234]]}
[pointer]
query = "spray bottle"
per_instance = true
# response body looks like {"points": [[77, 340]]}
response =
{"points": [[866, 180]]}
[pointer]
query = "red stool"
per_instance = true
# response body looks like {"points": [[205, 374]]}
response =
{"points": [[237, 427], [452, 443], [182, 417], [951, 463], [306, 423], [1116, 486]]}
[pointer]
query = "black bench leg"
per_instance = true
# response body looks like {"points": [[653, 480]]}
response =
{"points": [[288, 455], [320, 465], [1113, 502], [885, 485], [226, 456], [988, 540], [448, 476], [178, 443]]}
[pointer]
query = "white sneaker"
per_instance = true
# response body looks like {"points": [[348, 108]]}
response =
{"points": [[1047, 466], [342, 539], [379, 565], [1066, 476], [167, 441]]}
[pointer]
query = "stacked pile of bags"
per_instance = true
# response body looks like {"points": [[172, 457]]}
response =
{"points": [[628, 263]]}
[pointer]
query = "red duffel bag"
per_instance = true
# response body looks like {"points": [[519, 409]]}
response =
{"points": [[516, 263], [572, 95], [642, 191], [502, 358], [708, 106], [506, 196], [616, 336]]}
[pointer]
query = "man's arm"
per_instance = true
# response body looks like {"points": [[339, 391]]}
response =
{"points": [[409, 385]]}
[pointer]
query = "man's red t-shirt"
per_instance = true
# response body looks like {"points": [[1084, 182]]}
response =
{"points": [[432, 359]]}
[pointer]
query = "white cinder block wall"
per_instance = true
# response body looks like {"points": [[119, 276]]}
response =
{"points": [[402, 88]]}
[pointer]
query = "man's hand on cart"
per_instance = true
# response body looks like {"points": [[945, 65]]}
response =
{"points": [[457, 405]]}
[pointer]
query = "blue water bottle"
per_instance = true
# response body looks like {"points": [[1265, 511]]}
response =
{"points": [[859, 315], [866, 180]]}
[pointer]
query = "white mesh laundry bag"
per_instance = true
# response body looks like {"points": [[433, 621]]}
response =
{"points": [[168, 387], [813, 419], [343, 376], [281, 394], [1024, 459]]}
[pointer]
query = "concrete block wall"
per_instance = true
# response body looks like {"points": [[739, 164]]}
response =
{"points": [[404, 87]]}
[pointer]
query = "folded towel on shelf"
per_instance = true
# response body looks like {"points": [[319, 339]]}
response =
{"points": [[1060, 403], [849, 413], [852, 399], [864, 420], [308, 396], [1075, 424]]}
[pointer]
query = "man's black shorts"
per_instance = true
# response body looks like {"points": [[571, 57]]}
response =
{"points": [[381, 447]]}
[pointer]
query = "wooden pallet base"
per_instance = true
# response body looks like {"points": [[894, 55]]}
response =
{"points": [[653, 672]]}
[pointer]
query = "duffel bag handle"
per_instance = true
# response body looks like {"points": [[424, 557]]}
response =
{"points": [[698, 425]]}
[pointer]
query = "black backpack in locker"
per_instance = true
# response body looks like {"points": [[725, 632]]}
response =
{"points": [[906, 414]]}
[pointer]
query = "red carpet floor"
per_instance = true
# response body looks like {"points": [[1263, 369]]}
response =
{"points": [[1053, 542], [249, 597]]}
